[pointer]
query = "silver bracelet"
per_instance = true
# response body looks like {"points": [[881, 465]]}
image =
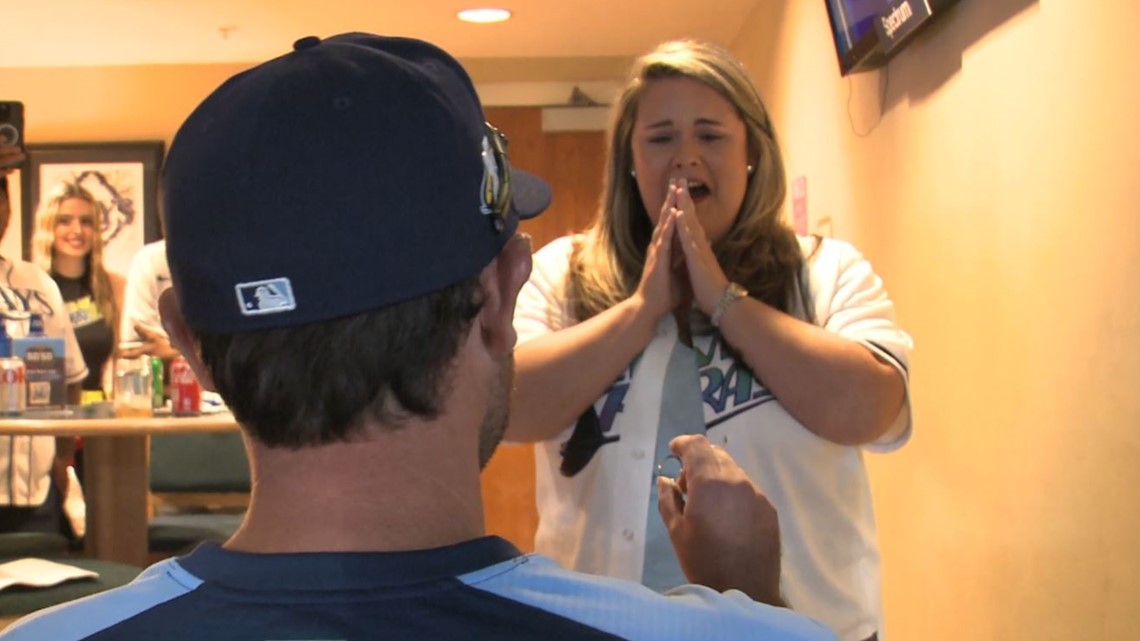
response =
{"points": [[732, 293]]}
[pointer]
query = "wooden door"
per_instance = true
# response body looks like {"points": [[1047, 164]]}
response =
{"points": [[572, 162]]}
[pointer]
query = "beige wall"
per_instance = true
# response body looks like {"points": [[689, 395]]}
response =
{"points": [[999, 198], [143, 102], [94, 104]]}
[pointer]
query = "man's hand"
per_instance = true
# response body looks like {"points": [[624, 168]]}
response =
{"points": [[64, 455], [724, 530], [10, 157], [153, 344]]}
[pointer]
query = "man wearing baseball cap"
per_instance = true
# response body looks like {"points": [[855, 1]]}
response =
{"points": [[341, 234]]}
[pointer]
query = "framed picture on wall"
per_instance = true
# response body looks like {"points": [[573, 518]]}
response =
{"points": [[123, 178]]}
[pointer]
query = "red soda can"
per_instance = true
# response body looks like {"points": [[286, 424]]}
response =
{"points": [[13, 386], [185, 392]]}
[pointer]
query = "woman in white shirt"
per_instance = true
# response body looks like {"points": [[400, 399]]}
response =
{"points": [[690, 306]]}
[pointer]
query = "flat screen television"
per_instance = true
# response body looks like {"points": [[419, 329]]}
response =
{"points": [[868, 33]]}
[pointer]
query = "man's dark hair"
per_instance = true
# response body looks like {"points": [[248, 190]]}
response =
{"points": [[317, 383]]}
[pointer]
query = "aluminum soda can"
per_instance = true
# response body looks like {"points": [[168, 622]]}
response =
{"points": [[13, 386], [156, 379], [185, 392]]}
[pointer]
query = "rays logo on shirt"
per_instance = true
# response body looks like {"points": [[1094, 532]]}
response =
{"points": [[614, 400], [728, 386], [593, 428], [25, 300]]}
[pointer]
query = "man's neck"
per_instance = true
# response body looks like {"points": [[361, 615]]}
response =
{"points": [[406, 489]]}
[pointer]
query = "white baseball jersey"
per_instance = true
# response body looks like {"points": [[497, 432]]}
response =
{"points": [[26, 461], [148, 276], [594, 521]]}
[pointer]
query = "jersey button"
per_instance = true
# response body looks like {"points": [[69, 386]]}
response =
{"points": [[627, 534]]}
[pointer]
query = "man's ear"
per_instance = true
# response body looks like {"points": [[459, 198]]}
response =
{"points": [[501, 280], [181, 337]]}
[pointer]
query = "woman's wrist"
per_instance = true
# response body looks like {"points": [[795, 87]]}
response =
{"points": [[641, 316]]}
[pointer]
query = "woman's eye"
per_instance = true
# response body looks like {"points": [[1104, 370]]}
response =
{"points": [[657, 140]]}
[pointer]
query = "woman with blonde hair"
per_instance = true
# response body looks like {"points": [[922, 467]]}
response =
{"points": [[68, 244], [687, 306]]}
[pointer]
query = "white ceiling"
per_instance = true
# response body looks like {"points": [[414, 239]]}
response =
{"points": [[70, 33]]}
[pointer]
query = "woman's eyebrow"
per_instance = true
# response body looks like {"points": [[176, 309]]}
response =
{"points": [[700, 121]]}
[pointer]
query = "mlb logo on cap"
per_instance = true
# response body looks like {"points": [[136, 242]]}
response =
{"points": [[265, 297]]}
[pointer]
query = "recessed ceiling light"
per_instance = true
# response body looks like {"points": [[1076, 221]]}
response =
{"points": [[484, 16]]}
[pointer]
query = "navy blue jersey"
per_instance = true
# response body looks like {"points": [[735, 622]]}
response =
{"points": [[481, 589]]}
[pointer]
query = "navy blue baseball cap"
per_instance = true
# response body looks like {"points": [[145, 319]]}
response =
{"points": [[350, 174]]}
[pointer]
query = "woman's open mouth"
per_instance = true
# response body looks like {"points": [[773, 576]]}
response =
{"points": [[698, 190]]}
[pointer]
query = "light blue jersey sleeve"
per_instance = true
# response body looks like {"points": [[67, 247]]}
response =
{"points": [[631, 611], [80, 619]]}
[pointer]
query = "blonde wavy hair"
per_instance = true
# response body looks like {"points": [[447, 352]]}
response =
{"points": [[43, 251], [759, 251]]}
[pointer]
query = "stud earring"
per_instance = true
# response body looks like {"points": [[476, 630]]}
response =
{"points": [[633, 173], [750, 169]]}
